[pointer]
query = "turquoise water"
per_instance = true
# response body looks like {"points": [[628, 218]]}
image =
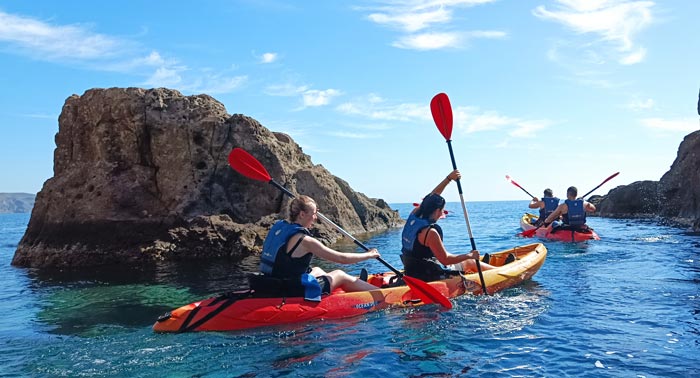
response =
{"points": [[625, 306]]}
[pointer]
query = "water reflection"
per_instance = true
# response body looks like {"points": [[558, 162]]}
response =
{"points": [[97, 301]]}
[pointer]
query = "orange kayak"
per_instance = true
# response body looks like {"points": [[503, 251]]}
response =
{"points": [[241, 310]]}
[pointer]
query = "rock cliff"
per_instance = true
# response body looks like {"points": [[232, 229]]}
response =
{"points": [[674, 198], [142, 175]]}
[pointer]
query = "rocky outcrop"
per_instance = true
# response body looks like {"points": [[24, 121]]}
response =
{"points": [[674, 198], [142, 175], [16, 202]]}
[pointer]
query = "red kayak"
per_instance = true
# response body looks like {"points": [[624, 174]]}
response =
{"points": [[241, 310], [527, 220]]}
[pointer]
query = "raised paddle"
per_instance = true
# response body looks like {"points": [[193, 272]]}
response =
{"points": [[442, 115], [531, 233], [248, 166], [518, 185]]}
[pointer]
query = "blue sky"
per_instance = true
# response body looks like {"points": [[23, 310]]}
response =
{"points": [[552, 93]]}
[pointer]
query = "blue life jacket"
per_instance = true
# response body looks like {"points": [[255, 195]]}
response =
{"points": [[576, 216], [409, 243], [550, 204], [275, 260], [419, 260]]}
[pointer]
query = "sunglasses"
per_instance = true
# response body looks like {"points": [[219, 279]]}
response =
{"points": [[445, 212]]}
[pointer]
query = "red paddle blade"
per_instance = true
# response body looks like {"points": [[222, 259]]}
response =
{"points": [[442, 114], [529, 233], [245, 164], [427, 293]]}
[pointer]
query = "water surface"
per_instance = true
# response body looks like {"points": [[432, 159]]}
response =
{"points": [[624, 306]]}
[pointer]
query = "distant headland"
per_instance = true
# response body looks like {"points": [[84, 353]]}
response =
{"points": [[16, 202]]}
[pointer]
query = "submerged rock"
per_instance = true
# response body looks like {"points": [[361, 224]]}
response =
{"points": [[142, 175]]}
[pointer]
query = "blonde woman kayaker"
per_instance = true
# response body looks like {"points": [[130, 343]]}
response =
{"points": [[287, 253], [422, 249]]}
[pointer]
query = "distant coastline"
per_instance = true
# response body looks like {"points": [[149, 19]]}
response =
{"points": [[16, 202]]}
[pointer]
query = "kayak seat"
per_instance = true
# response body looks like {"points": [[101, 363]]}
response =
{"points": [[486, 258], [511, 257], [395, 281], [270, 287], [363, 274]]}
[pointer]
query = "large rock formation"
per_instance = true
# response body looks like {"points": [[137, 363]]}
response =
{"points": [[674, 198], [142, 175]]}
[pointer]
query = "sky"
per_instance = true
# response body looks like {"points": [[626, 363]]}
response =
{"points": [[551, 93]]}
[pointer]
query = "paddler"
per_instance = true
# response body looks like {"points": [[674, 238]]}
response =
{"points": [[287, 253], [422, 249]]}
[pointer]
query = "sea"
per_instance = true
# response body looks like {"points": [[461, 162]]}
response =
{"points": [[627, 305]]}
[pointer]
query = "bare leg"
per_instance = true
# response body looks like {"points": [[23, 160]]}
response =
{"points": [[470, 266], [347, 282], [317, 272]]}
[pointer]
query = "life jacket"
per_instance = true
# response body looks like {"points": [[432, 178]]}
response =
{"points": [[409, 236], [275, 261], [576, 215], [418, 260], [550, 204]]}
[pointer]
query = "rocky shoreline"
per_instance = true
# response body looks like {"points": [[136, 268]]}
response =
{"points": [[674, 199]]}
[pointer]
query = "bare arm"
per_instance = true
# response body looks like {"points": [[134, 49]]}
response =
{"points": [[589, 207], [556, 214], [454, 175], [445, 258], [536, 203], [314, 246]]}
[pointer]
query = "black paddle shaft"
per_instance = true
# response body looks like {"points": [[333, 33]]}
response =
{"points": [[466, 217], [454, 164]]}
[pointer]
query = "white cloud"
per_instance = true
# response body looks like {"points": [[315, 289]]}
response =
{"points": [[634, 57], [164, 77], [412, 20], [79, 46], [466, 119], [615, 21], [432, 18], [473, 120], [45, 41], [686, 125], [641, 104], [268, 58], [216, 84], [309, 97], [285, 90], [428, 41], [314, 97], [348, 135], [373, 109]]}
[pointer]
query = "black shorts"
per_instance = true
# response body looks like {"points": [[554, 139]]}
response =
{"points": [[325, 283]]}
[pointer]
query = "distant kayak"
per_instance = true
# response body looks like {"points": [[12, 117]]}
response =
{"points": [[242, 310], [552, 233]]}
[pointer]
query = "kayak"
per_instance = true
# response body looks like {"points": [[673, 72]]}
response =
{"points": [[242, 310], [555, 233]]}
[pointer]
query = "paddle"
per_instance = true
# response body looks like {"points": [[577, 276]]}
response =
{"points": [[442, 115], [248, 166], [531, 233], [518, 185]]}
